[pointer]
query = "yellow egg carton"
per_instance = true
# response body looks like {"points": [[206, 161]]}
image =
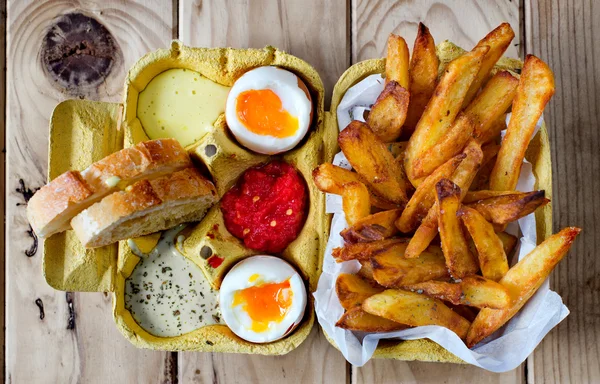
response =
{"points": [[82, 132]]}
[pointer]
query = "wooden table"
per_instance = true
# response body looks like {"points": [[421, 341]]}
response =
{"points": [[76, 341]]}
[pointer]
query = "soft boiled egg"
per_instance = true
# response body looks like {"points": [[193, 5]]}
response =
{"points": [[262, 299], [269, 110]]}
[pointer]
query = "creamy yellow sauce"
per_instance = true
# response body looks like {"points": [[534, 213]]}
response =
{"points": [[167, 294], [182, 104]]}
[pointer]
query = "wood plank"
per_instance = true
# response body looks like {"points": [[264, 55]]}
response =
{"points": [[565, 35], [463, 22], [315, 31], [76, 340], [2, 161]]}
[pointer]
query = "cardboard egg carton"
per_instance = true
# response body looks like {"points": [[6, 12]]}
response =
{"points": [[82, 132]]}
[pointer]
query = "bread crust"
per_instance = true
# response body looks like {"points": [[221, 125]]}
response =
{"points": [[54, 205], [145, 207]]}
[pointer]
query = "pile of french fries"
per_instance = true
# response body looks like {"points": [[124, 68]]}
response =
{"points": [[429, 162]]}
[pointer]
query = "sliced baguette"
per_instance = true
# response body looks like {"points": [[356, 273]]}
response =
{"points": [[54, 205], [146, 207]]}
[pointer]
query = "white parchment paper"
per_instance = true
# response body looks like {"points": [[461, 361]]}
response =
{"points": [[501, 352]]}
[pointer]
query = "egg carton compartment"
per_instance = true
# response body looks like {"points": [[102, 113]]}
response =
{"points": [[68, 266]]}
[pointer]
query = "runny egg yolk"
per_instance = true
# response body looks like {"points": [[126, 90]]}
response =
{"points": [[265, 303], [261, 111]]}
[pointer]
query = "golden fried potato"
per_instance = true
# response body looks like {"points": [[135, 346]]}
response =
{"points": [[492, 135], [492, 103], [475, 196], [330, 178], [452, 143], [356, 319], [459, 259], [508, 242], [424, 196], [481, 181], [463, 177], [522, 281], [397, 148], [536, 87], [479, 116], [497, 40], [355, 202], [396, 62], [423, 72], [469, 313], [490, 249], [352, 290], [377, 226], [392, 270], [474, 291], [370, 157], [412, 309], [366, 270], [442, 109], [507, 208], [387, 115], [364, 251]]}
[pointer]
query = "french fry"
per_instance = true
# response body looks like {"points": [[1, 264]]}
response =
{"points": [[522, 281], [397, 148], [370, 157], [493, 101], [463, 177], [535, 89], [481, 181], [330, 178], [364, 251], [366, 270], [475, 196], [377, 226], [356, 319], [447, 146], [396, 62], [355, 202], [387, 115], [392, 270], [424, 196], [443, 107], [508, 242], [490, 249], [507, 208], [469, 313], [412, 309], [497, 40], [352, 290], [492, 134], [423, 72], [476, 119], [459, 259], [474, 291]]}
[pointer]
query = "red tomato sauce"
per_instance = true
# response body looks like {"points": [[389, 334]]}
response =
{"points": [[267, 207]]}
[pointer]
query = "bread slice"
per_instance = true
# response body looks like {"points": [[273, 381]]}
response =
{"points": [[146, 207], [54, 205]]}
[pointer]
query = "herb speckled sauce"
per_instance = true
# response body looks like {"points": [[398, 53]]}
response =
{"points": [[167, 294]]}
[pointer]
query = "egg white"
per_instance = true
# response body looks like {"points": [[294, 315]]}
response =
{"points": [[271, 270], [293, 99]]}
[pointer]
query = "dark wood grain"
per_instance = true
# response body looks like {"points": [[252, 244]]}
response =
{"points": [[565, 34]]}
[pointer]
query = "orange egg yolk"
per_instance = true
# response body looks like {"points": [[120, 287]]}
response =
{"points": [[265, 303], [261, 112]]}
